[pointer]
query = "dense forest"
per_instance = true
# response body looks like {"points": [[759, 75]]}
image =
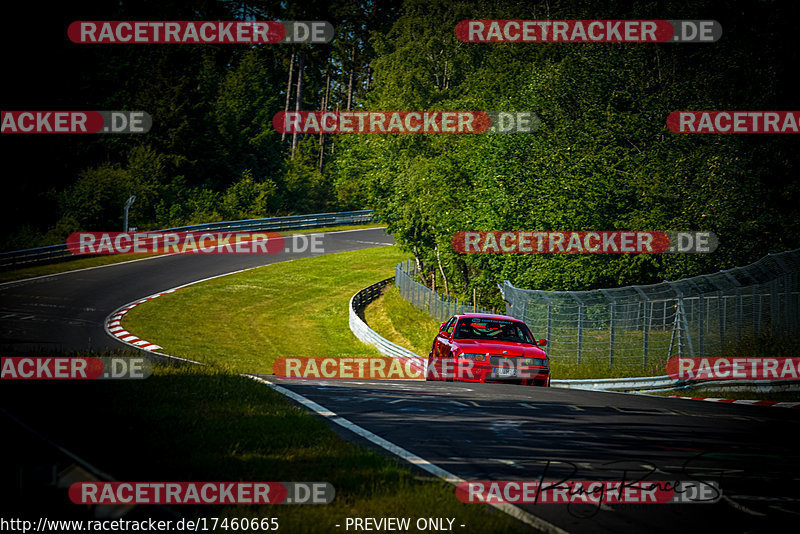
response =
{"points": [[601, 159]]}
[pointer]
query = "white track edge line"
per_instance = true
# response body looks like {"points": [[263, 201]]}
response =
{"points": [[510, 509]]}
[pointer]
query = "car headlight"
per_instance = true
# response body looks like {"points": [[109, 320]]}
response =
{"points": [[540, 362], [473, 357]]}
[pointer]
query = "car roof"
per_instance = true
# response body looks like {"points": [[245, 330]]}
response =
{"points": [[489, 316]]}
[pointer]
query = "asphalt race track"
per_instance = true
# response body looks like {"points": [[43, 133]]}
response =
{"points": [[509, 432], [65, 312], [483, 431]]}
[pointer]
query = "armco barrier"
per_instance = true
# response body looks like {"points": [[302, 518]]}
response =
{"points": [[645, 383], [618, 384], [368, 335], [31, 256]]}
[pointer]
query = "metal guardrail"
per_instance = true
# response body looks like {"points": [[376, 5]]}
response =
{"points": [[290, 222], [369, 336], [644, 383], [52, 253], [615, 384]]}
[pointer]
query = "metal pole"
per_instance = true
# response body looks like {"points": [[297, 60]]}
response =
{"points": [[549, 324], [787, 287], [774, 307], [739, 314], [612, 312], [645, 335], [580, 332], [723, 308], [679, 319], [700, 333], [128, 203], [759, 310]]}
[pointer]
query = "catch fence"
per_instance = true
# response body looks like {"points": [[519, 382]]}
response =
{"points": [[647, 324]]}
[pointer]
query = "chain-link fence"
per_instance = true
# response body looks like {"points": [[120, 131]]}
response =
{"points": [[647, 324], [698, 316], [427, 300]]}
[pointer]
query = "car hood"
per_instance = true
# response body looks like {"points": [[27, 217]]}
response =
{"points": [[498, 347]]}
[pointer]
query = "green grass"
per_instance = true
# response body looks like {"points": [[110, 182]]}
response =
{"points": [[196, 423], [95, 261], [249, 319], [400, 322]]}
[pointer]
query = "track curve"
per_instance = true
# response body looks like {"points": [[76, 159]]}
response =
{"points": [[66, 312], [481, 431]]}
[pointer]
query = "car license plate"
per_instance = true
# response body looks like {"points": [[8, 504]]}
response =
{"points": [[505, 371]]}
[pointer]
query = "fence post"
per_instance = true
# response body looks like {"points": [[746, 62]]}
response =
{"points": [[549, 328], [791, 322], [645, 336], [723, 306], [679, 321], [645, 324], [580, 332], [612, 312], [739, 313], [774, 307], [700, 333], [758, 310], [580, 324]]}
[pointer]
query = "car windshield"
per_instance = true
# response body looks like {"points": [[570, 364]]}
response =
{"points": [[495, 329]]}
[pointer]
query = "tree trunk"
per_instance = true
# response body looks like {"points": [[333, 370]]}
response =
{"points": [[299, 98], [324, 108], [288, 93], [416, 260], [441, 270], [350, 83]]}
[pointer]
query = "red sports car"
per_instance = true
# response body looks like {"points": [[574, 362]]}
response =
{"points": [[479, 347]]}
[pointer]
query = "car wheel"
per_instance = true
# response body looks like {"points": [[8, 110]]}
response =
{"points": [[428, 375]]}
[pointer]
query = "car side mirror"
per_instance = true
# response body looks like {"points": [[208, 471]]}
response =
{"points": [[542, 342], [444, 334], [441, 326]]}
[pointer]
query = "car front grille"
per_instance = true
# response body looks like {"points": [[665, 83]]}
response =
{"points": [[503, 361]]}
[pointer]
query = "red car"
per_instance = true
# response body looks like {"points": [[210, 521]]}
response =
{"points": [[479, 347]]}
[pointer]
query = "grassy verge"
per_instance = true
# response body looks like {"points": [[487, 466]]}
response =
{"points": [[247, 320], [194, 423], [400, 322], [95, 261]]}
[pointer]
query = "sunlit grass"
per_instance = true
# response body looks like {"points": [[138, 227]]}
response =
{"points": [[249, 319]]}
